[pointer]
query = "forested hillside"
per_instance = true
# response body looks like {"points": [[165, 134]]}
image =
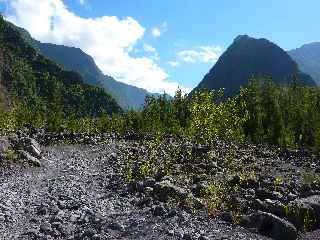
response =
{"points": [[40, 86]]}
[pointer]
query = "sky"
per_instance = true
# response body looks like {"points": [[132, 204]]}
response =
{"points": [[161, 45]]}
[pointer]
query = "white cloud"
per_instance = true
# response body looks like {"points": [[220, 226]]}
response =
{"points": [[206, 54], [156, 32], [108, 39], [149, 48], [173, 63], [152, 51], [82, 2]]}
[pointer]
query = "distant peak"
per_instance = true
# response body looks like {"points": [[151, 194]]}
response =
{"points": [[241, 37]]}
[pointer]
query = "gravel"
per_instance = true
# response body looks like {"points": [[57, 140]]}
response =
{"points": [[78, 192]]}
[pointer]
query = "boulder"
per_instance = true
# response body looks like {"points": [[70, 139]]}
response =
{"points": [[165, 189], [275, 207], [270, 225], [304, 213], [30, 159]]}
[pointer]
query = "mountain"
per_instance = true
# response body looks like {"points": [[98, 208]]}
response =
{"points": [[247, 57], [308, 59], [29, 77], [128, 97]]}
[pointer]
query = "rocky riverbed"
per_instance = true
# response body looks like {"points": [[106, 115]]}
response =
{"points": [[78, 188]]}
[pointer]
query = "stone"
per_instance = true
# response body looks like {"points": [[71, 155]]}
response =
{"points": [[159, 211], [170, 232], [257, 204], [117, 227], [57, 225], [30, 159], [203, 238], [263, 194], [45, 228], [165, 189], [275, 207], [4, 145], [300, 210], [271, 226], [172, 213], [149, 182], [30, 145], [89, 233], [186, 236]]}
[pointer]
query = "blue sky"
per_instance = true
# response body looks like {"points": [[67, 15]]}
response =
{"points": [[169, 42]]}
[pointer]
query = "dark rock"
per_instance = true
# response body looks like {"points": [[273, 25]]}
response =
{"points": [[199, 188], [144, 202], [305, 211], [250, 183], [159, 211], [198, 178], [203, 238], [275, 207], [117, 227], [187, 236], [45, 228], [170, 232], [257, 204], [226, 216], [263, 194], [89, 233], [172, 213], [165, 189], [30, 159], [235, 180], [150, 182], [30, 145], [270, 225], [42, 209]]}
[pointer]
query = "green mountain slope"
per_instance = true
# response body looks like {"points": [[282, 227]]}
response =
{"points": [[308, 59], [32, 78], [70, 58], [247, 57]]}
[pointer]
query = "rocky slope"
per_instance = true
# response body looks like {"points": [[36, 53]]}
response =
{"points": [[308, 59], [77, 191], [247, 57]]}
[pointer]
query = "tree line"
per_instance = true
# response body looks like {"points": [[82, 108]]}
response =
{"points": [[262, 112]]}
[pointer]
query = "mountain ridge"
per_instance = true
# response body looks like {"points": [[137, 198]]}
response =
{"points": [[73, 58], [247, 57], [308, 58]]}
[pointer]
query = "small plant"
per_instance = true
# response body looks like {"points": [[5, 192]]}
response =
{"points": [[214, 196], [277, 183], [308, 221], [146, 169], [11, 155]]}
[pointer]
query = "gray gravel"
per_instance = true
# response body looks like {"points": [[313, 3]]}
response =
{"points": [[78, 193]]}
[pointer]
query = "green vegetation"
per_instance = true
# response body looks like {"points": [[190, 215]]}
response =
{"points": [[35, 89], [41, 94]]}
